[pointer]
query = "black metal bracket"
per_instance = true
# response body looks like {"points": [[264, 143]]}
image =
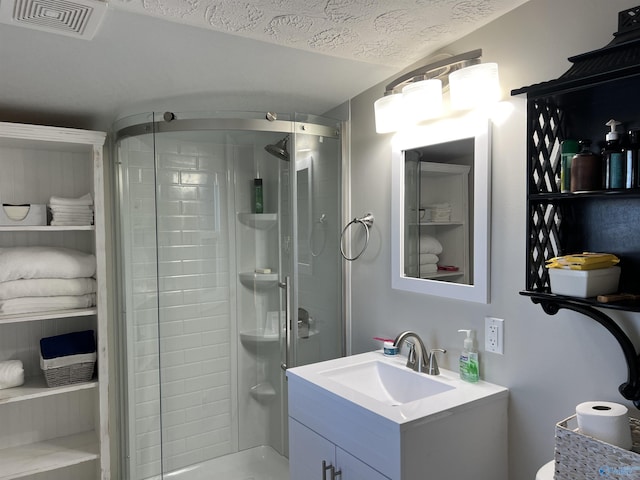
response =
{"points": [[631, 388]]}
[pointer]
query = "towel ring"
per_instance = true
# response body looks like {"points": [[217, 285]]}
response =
{"points": [[366, 222]]}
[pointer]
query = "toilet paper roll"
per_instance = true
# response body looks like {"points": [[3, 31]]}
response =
{"points": [[605, 421], [11, 374]]}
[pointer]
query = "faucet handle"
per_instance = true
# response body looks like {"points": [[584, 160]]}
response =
{"points": [[411, 355], [433, 364]]}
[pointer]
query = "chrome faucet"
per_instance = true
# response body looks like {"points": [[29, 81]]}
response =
{"points": [[418, 359]]}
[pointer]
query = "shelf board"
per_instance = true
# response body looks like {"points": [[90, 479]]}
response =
{"points": [[600, 194], [46, 228], [258, 280], [36, 387], [441, 274], [630, 306], [259, 336], [49, 455], [34, 317], [260, 221], [439, 224]]}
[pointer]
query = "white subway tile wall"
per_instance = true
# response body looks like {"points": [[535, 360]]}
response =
{"points": [[184, 301]]}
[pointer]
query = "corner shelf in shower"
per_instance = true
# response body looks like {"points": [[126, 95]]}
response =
{"points": [[259, 336], [262, 391], [257, 281], [260, 221]]}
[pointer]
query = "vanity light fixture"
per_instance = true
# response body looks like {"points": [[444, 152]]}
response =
{"points": [[417, 96]]}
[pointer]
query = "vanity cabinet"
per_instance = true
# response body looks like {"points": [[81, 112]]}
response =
{"points": [[54, 432], [330, 423], [313, 457]]}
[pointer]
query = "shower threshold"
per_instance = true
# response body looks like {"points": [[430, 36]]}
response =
{"points": [[259, 463]]}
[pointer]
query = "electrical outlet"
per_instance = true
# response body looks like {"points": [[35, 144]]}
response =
{"points": [[494, 335]]}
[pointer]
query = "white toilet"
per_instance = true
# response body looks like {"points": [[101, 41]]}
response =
{"points": [[547, 471]]}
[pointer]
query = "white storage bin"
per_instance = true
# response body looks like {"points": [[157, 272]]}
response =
{"points": [[584, 283], [31, 215]]}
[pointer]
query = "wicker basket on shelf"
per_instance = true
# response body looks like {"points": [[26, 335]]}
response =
{"points": [[75, 373], [69, 358], [579, 456]]}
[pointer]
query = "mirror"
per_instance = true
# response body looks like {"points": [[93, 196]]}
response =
{"points": [[440, 209]]}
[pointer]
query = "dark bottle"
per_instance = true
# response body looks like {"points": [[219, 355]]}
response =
{"points": [[257, 196], [586, 169], [631, 179], [613, 162], [568, 149]]}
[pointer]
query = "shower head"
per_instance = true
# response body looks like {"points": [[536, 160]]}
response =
{"points": [[279, 149]]}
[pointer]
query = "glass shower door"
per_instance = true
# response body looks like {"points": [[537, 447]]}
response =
{"points": [[218, 296]]}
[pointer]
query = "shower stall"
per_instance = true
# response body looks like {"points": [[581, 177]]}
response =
{"points": [[222, 288]]}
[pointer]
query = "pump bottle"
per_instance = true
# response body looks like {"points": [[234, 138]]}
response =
{"points": [[612, 159], [469, 367]]}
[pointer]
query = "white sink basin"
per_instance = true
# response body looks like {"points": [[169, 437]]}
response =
{"points": [[385, 382], [386, 387]]}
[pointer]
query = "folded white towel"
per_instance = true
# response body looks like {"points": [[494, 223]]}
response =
{"points": [[428, 268], [83, 200], [70, 223], [11, 374], [46, 287], [45, 262], [19, 305], [427, 258], [429, 244], [71, 208], [66, 216]]}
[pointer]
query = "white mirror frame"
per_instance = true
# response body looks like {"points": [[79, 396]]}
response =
{"points": [[447, 130]]}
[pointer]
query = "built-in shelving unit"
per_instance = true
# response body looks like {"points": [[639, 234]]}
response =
{"points": [[599, 86], [40, 431], [448, 184]]}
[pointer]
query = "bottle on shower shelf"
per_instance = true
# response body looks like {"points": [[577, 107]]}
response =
{"points": [[258, 205]]}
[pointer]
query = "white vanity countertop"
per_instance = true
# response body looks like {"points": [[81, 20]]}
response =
{"points": [[462, 396]]}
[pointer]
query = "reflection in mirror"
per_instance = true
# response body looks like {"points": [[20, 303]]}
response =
{"points": [[304, 181], [440, 209]]}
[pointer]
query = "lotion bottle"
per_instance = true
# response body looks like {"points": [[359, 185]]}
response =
{"points": [[612, 159], [469, 367]]}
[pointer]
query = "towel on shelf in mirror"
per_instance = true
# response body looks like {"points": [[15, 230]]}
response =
{"points": [[429, 244], [428, 258]]}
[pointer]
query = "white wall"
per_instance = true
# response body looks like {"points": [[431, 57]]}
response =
{"points": [[551, 363]]}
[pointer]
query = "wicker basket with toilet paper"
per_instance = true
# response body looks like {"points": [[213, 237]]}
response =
{"points": [[599, 441]]}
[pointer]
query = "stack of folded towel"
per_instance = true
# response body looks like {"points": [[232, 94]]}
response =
{"points": [[11, 374], [40, 279], [430, 248], [71, 211]]}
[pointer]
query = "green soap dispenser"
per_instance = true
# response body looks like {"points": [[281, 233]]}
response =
{"points": [[469, 367]]}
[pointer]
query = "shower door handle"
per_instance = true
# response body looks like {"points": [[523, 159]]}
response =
{"points": [[287, 321]]}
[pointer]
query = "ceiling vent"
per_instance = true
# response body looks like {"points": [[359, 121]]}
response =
{"points": [[74, 18]]}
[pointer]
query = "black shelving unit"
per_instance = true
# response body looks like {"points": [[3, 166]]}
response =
{"points": [[600, 85]]}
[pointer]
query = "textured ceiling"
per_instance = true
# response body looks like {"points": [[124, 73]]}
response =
{"points": [[391, 32]]}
